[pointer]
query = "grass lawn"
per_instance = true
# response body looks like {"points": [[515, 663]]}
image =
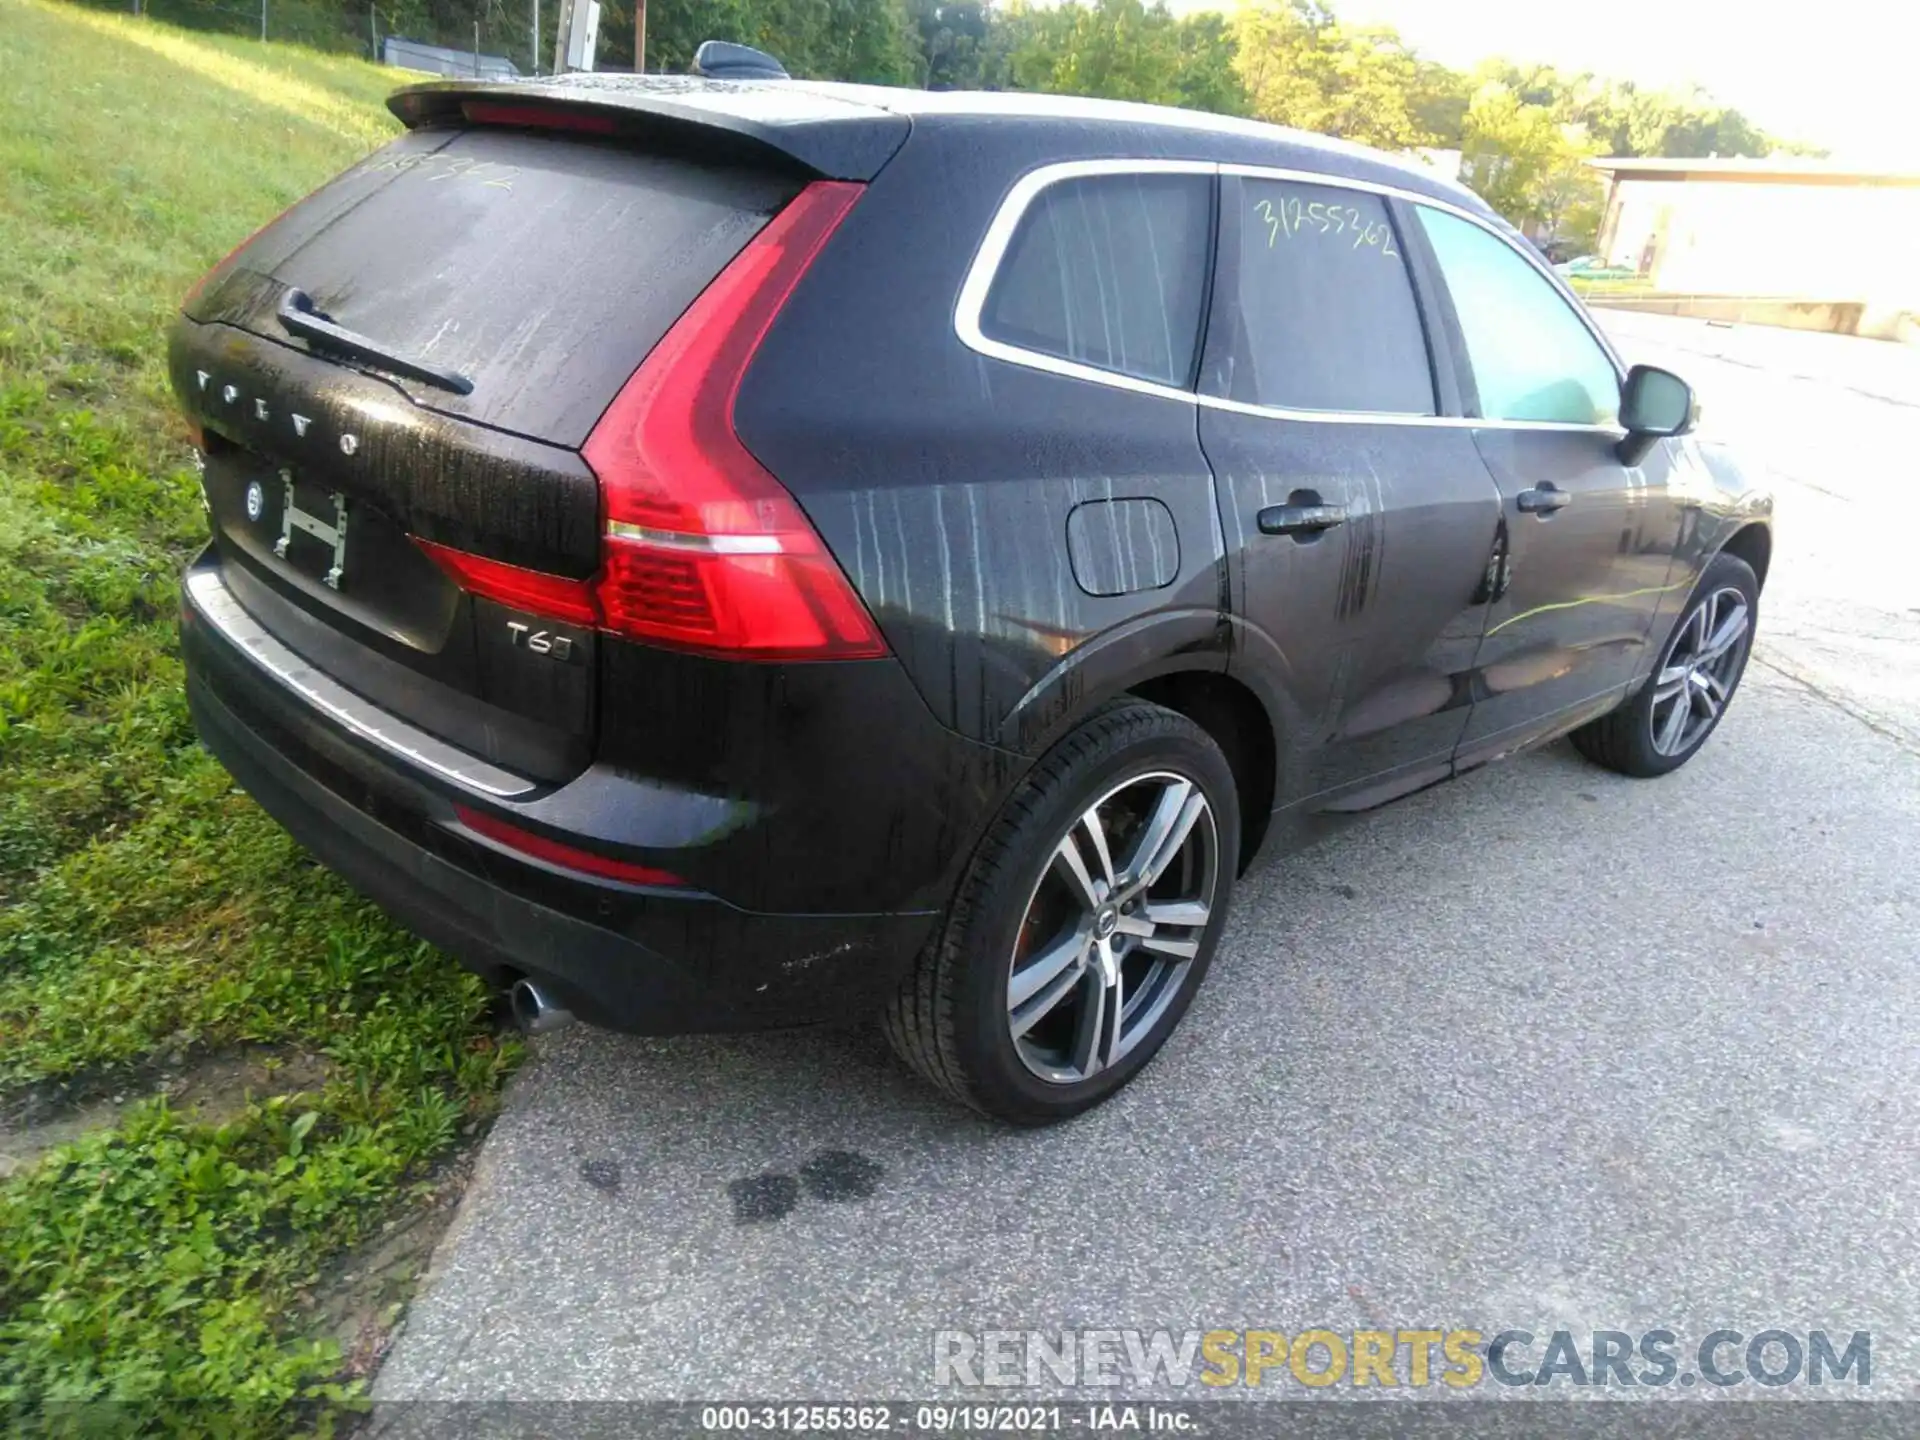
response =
{"points": [[152, 919]]}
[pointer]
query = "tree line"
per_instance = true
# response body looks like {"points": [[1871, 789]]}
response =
{"points": [[1523, 131]]}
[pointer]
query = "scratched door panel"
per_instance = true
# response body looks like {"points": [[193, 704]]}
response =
{"points": [[1590, 539], [1570, 626], [1375, 621]]}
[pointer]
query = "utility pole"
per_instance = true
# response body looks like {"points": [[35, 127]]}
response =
{"points": [[476, 49], [639, 37], [263, 20], [373, 32], [536, 37], [563, 28]]}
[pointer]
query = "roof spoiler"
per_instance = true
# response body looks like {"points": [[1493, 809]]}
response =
{"points": [[762, 121]]}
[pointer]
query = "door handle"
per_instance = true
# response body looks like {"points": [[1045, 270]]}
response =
{"points": [[1543, 499], [1301, 519]]}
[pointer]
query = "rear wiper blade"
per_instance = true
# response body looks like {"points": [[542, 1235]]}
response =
{"points": [[298, 317]]}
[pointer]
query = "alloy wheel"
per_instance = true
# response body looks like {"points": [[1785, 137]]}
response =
{"points": [[1702, 665], [1112, 927]]}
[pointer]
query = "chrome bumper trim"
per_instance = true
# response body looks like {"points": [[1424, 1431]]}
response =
{"points": [[213, 600]]}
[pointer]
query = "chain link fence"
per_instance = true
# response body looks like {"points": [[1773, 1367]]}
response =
{"points": [[476, 36]]}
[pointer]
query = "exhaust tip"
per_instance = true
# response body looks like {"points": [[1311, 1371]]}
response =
{"points": [[535, 1010]]}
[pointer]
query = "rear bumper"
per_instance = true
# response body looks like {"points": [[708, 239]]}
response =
{"points": [[651, 961]]}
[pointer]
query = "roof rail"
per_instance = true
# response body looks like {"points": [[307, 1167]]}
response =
{"points": [[724, 60]]}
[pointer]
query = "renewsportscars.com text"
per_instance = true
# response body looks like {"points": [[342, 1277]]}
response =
{"points": [[1387, 1359]]}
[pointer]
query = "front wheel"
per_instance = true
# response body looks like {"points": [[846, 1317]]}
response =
{"points": [[1666, 722], [1084, 924]]}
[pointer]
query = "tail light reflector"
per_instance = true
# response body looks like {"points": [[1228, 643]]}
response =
{"points": [[554, 596], [567, 857]]}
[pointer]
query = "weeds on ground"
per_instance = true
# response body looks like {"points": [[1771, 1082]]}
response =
{"points": [[146, 906]]}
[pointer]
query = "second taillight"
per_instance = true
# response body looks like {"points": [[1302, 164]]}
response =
{"points": [[704, 549]]}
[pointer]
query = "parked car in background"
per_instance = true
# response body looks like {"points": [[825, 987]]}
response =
{"points": [[763, 552], [1592, 267]]}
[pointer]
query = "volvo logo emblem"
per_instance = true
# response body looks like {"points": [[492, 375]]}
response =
{"points": [[349, 444], [256, 501]]}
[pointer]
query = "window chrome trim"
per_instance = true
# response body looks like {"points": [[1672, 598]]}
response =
{"points": [[216, 603], [972, 303], [970, 306]]}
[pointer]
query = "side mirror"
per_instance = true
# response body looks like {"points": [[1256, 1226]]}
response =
{"points": [[1654, 404]]}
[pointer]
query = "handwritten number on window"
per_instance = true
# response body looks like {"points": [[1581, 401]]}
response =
{"points": [[1287, 215], [451, 167], [1276, 221]]}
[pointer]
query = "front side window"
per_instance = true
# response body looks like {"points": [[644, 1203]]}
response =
{"points": [[1323, 314], [1109, 271], [1533, 357]]}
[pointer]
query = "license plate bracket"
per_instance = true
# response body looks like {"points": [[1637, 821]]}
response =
{"points": [[331, 531]]}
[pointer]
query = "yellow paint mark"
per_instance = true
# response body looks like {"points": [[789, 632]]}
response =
{"points": [[1583, 600]]}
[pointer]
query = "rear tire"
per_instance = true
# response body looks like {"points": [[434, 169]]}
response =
{"points": [[1084, 925], [1664, 724]]}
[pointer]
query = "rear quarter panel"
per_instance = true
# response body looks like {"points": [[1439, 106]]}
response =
{"points": [[944, 480]]}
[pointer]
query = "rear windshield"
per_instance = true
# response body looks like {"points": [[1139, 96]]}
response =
{"points": [[541, 268]]}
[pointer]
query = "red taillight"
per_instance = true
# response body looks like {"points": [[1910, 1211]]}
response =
{"points": [[554, 596], [565, 856], [704, 549]]}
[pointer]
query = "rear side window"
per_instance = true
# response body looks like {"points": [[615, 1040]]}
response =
{"points": [[1533, 357], [1323, 317], [1110, 271]]}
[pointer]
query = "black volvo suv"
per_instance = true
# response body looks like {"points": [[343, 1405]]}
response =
{"points": [[721, 554]]}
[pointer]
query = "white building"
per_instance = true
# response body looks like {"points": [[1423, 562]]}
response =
{"points": [[1836, 245]]}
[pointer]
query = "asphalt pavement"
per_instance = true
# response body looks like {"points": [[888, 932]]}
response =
{"points": [[1542, 1048]]}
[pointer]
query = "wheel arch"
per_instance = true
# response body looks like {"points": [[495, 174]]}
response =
{"points": [[1228, 711], [1752, 543], [1110, 664], [1178, 659]]}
